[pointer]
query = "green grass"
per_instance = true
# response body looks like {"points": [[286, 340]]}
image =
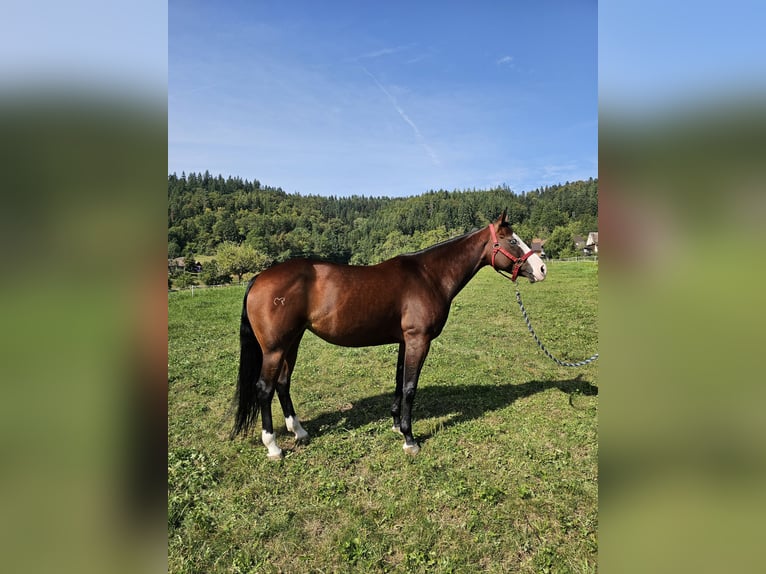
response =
{"points": [[506, 480]]}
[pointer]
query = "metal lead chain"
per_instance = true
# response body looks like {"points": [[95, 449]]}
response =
{"points": [[539, 343]]}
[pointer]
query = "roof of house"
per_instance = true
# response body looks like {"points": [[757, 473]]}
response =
{"points": [[592, 238]]}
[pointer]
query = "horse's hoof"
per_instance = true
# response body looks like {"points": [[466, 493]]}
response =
{"points": [[303, 440], [277, 456], [396, 429], [411, 449]]}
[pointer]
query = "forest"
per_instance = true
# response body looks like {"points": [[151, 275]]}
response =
{"points": [[207, 213]]}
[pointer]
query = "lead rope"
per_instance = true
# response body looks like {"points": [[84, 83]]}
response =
{"points": [[539, 343]]}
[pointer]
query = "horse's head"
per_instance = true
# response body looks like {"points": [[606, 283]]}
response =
{"points": [[508, 252]]}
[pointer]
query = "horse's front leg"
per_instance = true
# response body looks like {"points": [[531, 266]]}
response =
{"points": [[416, 349], [396, 408]]}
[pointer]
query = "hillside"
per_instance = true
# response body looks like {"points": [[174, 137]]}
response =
{"points": [[205, 211]]}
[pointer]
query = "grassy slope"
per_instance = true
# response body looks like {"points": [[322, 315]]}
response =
{"points": [[506, 479]]}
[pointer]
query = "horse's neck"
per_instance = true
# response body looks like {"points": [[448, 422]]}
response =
{"points": [[453, 264]]}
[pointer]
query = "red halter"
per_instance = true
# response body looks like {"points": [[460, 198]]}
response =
{"points": [[517, 261]]}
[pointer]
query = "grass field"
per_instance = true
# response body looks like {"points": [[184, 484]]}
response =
{"points": [[506, 479]]}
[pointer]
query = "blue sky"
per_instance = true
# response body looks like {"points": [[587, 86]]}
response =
{"points": [[384, 98], [656, 55]]}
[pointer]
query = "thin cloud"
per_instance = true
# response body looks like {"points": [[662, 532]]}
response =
{"points": [[418, 58], [431, 153], [505, 61], [569, 171], [382, 52], [194, 90]]}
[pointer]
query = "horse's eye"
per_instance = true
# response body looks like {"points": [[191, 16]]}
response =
{"points": [[513, 242]]}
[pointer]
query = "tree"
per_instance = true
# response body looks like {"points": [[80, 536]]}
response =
{"points": [[525, 231], [212, 274], [432, 237], [560, 242], [186, 280], [173, 250], [546, 216], [225, 229], [395, 244], [240, 259]]}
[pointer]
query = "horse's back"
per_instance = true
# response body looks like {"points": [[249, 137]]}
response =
{"points": [[343, 304], [358, 306]]}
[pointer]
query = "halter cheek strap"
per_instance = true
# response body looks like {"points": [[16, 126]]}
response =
{"points": [[517, 261]]}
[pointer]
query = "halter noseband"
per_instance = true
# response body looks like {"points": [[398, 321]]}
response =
{"points": [[517, 261]]}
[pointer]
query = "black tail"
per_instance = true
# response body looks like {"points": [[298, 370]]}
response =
{"points": [[250, 361]]}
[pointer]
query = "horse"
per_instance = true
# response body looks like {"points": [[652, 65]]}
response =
{"points": [[404, 300]]}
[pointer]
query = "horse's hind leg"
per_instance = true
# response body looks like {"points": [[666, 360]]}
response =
{"points": [[265, 393], [283, 392]]}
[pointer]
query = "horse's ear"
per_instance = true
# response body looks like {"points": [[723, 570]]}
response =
{"points": [[503, 217]]}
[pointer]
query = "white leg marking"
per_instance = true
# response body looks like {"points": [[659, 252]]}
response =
{"points": [[411, 450], [294, 426], [270, 441]]}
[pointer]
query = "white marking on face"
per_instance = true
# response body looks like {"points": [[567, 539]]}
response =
{"points": [[270, 441], [535, 261], [294, 426]]}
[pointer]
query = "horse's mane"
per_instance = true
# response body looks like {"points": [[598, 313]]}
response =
{"points": [[451, 240]]}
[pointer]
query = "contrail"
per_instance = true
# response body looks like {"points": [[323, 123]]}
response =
{"points": [[431, 153]]}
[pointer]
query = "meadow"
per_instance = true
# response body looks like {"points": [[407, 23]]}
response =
{"points": [[506, 479]]}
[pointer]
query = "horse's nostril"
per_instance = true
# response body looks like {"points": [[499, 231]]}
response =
{"points": [[542, 268]]}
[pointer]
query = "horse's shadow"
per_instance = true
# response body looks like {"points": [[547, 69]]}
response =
{"points": [[460, 403]]}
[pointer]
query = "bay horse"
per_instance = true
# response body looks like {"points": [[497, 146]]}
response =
{"points": [[403, 300]]}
